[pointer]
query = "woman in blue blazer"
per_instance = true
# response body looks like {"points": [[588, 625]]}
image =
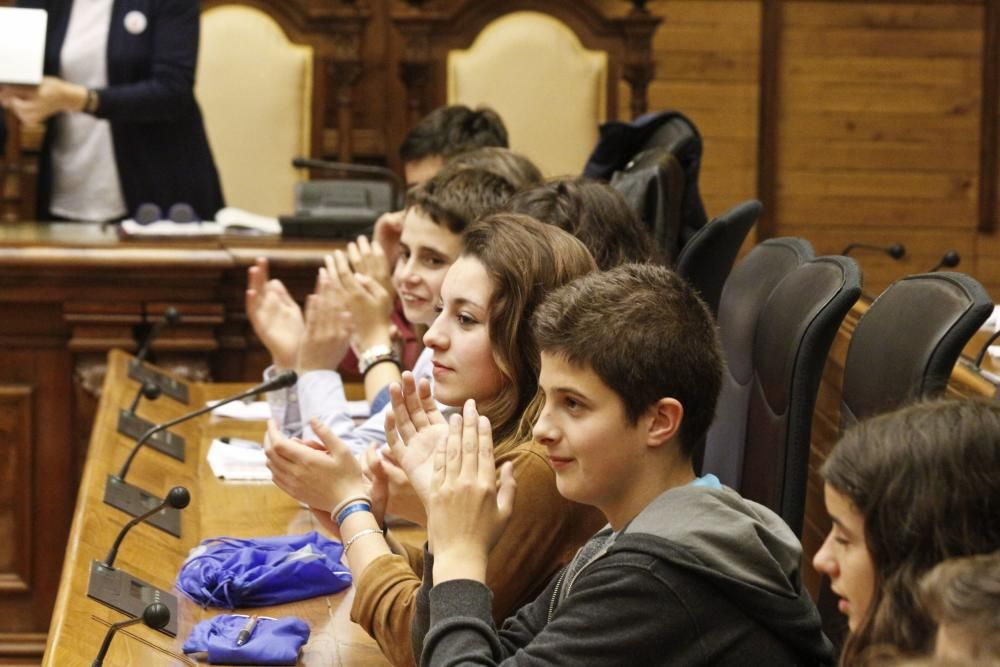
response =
{"points": [[160, 149]]}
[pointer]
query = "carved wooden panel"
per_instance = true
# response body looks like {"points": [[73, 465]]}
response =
{"points": [[15, 491]]}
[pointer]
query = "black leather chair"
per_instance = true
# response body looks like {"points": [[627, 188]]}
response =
{"points": [[906, 345], [903, 349], [743, 296], [793, 336], [708, 257]]}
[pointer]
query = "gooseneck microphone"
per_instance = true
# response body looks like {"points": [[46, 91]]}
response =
{"points": [[286, 379], [949, 260], [149, 391], [397, 185], [170, 316], [133, 426], [986, 346], [178, 498], [155, 615], [896, 250]]}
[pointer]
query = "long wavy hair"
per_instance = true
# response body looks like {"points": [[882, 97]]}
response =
{"points": [[926, 479], [525, 260]]}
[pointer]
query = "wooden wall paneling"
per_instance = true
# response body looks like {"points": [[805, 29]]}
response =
{"points": [[708, 56], [987, 257], [988, 170], [882, 102], [16, 464], [767, 139]]}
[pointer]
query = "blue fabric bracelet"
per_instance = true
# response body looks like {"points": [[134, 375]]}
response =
{"points": [[351, 509]]}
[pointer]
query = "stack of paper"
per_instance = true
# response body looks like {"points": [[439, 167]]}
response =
{"points": [[238, 459]]}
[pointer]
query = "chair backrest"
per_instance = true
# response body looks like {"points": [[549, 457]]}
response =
{"points": [[552, 115], [257, 104], [794, 332], [743, 297], [707, 258], [906, 345], [903, 349]]}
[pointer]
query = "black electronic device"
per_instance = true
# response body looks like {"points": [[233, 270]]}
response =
{"points": [[137, 370], [155, 615], [133, 426], [341, 209], [135, 501], [124, 592], [949, 260], [896, 250]]}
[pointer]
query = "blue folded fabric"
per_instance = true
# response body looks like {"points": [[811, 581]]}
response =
{"points": [[273, 642], [230, 572]]}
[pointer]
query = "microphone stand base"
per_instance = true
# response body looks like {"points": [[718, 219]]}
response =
{"points": [[173, 388], [134, 426], [129, 595], [134, 501]]}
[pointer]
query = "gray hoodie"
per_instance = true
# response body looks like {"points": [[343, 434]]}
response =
{"points": [[700, 577]]}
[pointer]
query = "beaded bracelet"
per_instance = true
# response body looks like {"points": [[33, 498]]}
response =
{"points": [[358, 535], [351, 509]]}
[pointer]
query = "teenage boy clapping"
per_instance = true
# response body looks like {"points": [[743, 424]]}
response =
{"points": [[687, 572]]}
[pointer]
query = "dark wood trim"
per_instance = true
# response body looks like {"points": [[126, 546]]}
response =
{"points": [[767, 115], [988, 119], [22, 646]]}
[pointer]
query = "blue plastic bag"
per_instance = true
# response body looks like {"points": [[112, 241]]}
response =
{"points": [[229, 572], [274, 641]]}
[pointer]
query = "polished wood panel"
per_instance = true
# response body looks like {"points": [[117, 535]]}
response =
{"points": [[218, 508], [879, 116], [68, 294]]}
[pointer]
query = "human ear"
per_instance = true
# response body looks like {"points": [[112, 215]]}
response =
{"points": [[665, 418]]}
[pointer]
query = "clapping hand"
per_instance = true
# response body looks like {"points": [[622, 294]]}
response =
{"points": [[413, 428], [469, 508], [364, 297], [388, 230], [327, 334], [276, 318], [369, 261], [318, 474]]}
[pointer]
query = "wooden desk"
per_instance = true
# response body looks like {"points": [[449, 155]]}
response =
{"points": [[217, 508], [68, 294]]}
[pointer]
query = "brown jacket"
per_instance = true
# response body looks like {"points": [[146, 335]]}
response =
{"points": [[542, 536]]}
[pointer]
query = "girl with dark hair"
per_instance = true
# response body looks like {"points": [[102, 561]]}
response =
{"points": [[905, 491], [482, 349]]}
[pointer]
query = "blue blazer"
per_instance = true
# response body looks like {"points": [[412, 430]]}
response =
{"points": [[160, 146]]}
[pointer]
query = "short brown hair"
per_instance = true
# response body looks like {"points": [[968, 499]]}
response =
{"points": [[519, 170], [525, 260], [645, 332], [456, 197], [450, 130], [593, 212], [964, 594]]}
